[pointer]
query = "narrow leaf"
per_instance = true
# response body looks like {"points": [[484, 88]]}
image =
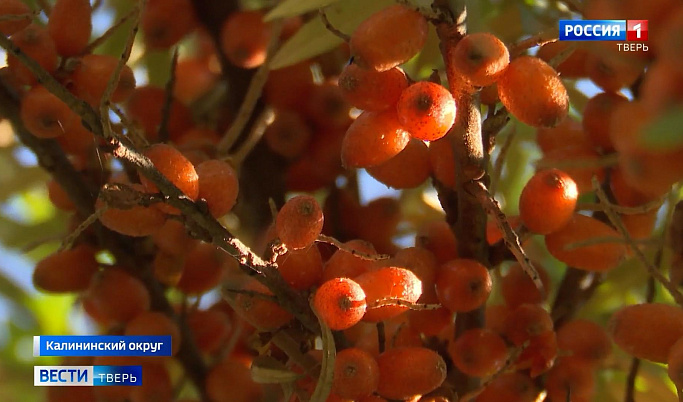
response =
{"points": [[290, 8], [324, 385]]}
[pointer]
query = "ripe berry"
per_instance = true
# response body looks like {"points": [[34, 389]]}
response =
{"points": [[91, 77], [288, 135], [539, 354], [137, 221], [340, 302], [437, 237], [66, 271], [509, 387], [300, 221], [463, 285], [262, 313], [517, 288], [203, 269], [612, 71], [408, 371], [45, 115], [145, 107], [157, 385], [343, 264], [596, 257], [533, 92], [408, 169], [176, 168], [356, 374], [230, 380], [573, 66], [442, 159], [373, 138], [244, 38], [13, 7], [377, 43], [36, 43], [384, 285], [571, 380], [426, 110], [70, 26], [155, 323], [566, 134], [478, 352], [103, 300], [165, 22], [59, 197], [218, 185], [421, 262], [584, 340], [525, 322], [597, 116], [547, 201], [209, 328], [647, 331], [301, 268], [583, 164], [480, 58], [372, 90]]}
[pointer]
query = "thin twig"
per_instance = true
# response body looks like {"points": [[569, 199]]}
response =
{"points": [[381, 337], [563, 55], [109, 32], [71, 237], [341, 246], [390, 301], [541, 38], [251, 293], [252, 95], [134, 134], [331, 28], [168, 99], [264, 120], [500, 161]]}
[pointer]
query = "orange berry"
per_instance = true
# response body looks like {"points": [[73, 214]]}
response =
{"points": [[571, 380], [66, 271], [343, 264], [442, 159], [155, 323], [176, 168], [384, 285], [596, 118], [437, 237], [408, 169], [288, 135], [45, 115], [584, 340], [356, 374], [408, 371], [539, 355], [372, 90], [525, 322], [165, 22], [596, 257], [58, 197], [91, 76], [230, 380], [647, 331], [517, 288], [173, 238], [262, 313], [288, 88], [573, 66], [327, 108], [674, 362], [77, 140], [203, 269], [244, 38], [463, 285], [624, 194], [429, 322], [103, 299], [495, 315], [13, 7], [493, 233], [420, 261], [426, 110], [566, 134], [533, 92], [218, 186], [377, 44], [509, 387], [70, 26], [577, 156], [547, 201], [145, 107], [373, 138], [209, 329], [480, 58], [299, 222], [380, 219], [193, 78], [138, 221], [301, 268], [478, 352], [36, 43]]}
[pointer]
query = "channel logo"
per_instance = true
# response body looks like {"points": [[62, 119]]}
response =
{"points": [[93, 376], [604, 30]]}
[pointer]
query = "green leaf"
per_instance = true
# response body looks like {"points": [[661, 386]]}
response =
{"points": [[314, 39], [290, 8], [666, 132]]}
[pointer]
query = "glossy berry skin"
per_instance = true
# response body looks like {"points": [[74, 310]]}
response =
{"points": [[218, 185], [300, 221], [372, 90], [373, 138], [408, 169], [386, 284], [478, 352], [533, 92], [547, 201], [340, 303], [426, 110], [463, 285], [176, 168], [408, 371], [356, 374], [480, 58], [377, 43]]}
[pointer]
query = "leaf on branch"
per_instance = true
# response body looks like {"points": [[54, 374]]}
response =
{"points": [[291, 8]]}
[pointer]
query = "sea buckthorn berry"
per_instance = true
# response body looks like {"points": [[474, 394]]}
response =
{"points": [[14, 7], [426, 110], [258, 311], [288, 135], [230, 380], [209, 328], [480, 58], [597, 116], [420, 261], [583, 164], [356, 374], [478, 352], [146, 106], [675, 364], [493, 233], [244, 38], [165, 22], [509, 387], [137, 221], [624, 194], [430, 322], [495, 315], [103, 300], [373, 138], [59, 197], [194, 77], [91, 77], [386, 285], [173, 238], [377, 44], [408, 169], [77, 140], [525, 322], [437, 237], [408, 371], [218, 185], [70, 26], [36, 43], [597, 257], [517, 288], [533, 92], [288, 88], [327, 108], [442, 159], [566, 134], [176, 168], [344, 264], [612, 71], [300, 221], [203, 269], [539, 354], [301, 268], [647, 331], [573, 66], [584, 340], [155, 323], [570, 380], [547, 201], [66, 271], [372, 90], [463, 285], [380, 218], [44, 114]]}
